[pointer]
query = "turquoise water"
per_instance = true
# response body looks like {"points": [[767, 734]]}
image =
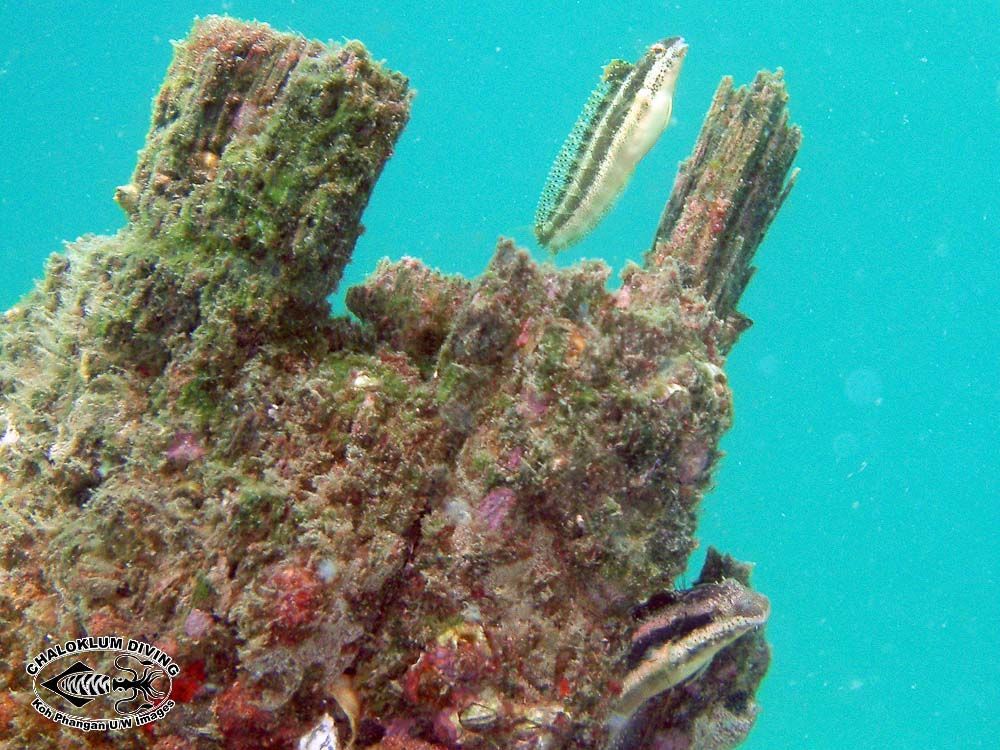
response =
{"points": [[862, 470]]}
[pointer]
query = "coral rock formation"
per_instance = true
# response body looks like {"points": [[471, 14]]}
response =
{"points": [[431, 522]]}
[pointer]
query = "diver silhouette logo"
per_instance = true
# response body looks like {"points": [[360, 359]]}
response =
{"points": [[136, 683]]}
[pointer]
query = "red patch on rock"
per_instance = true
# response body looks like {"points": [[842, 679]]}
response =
{"points": [[563, 688], [298, 595], [241, 720], [105, 621], [449, 674], [187, 684]]}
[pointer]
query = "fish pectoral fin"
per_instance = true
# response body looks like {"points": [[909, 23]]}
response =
{"points": [[696, 674]]}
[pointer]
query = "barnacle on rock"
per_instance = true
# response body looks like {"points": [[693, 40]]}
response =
{"points": [[323, 736]]}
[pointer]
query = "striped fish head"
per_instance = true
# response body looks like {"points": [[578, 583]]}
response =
{"points": [[703, 619], [663, 61], [680, 640]]}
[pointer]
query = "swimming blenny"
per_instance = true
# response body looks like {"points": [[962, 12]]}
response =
{"points": [[620, 122], [679, 640]]}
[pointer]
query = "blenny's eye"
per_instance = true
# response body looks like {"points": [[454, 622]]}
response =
{"points": [[659, 48]]}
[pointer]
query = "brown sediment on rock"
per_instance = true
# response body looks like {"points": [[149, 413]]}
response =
{"points": [[727, 193], [449, 505], [409, 306]]}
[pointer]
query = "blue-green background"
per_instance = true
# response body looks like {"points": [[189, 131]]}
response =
{"points": [[862, 470]]}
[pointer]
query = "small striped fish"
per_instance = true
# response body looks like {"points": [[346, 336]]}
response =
{"points": [[679, 642], [620, 122]]}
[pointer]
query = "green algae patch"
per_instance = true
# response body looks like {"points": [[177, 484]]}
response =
{"points": [[268, 145]]}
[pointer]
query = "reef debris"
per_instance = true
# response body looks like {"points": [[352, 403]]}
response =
{"points": [[424, 528], [728, 192]]}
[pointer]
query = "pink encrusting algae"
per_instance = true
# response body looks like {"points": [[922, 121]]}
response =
{"points": [[495, 507]]}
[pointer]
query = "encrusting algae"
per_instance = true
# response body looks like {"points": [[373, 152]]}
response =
{"points": [[421, 529]]}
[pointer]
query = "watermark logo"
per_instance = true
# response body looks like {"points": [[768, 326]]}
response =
{"points": [[102, 683]]}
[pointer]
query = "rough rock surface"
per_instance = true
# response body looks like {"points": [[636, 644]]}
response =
{"points": [[444, 510]]}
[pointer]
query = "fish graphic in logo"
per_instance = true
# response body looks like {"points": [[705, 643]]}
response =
{"points": [[79, 684]]}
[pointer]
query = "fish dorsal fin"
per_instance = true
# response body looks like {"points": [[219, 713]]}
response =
{"points": [[616, 71], [655, 603], [597, 104]]}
